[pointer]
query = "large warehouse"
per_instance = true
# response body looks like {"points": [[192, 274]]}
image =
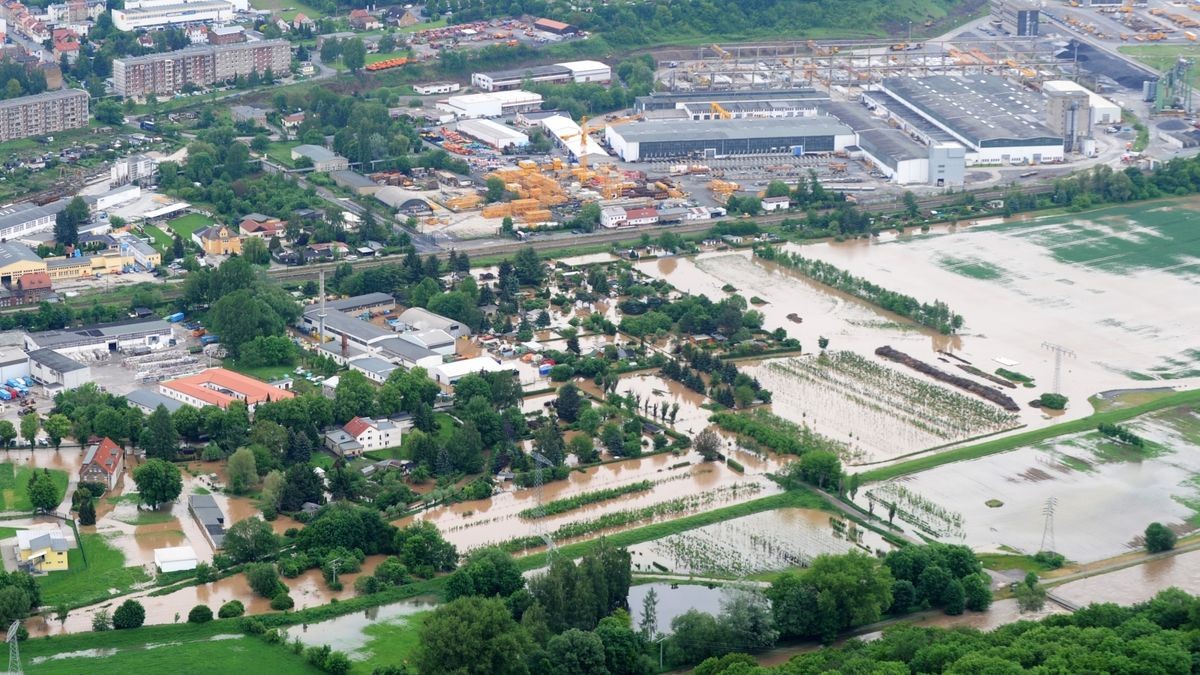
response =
{"points": [[103, 337], [665, 139], [499, 136], [494, 104], [998, 122], [896, 154], [558, 73]]}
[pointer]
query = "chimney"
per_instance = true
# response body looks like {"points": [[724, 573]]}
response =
{"points": [[345, 346], [321, 314]]}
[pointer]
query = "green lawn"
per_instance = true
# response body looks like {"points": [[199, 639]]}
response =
{"points": [[13, 479], [162, 240], [288, 9], [216, 647], [389, 643], [281, 152], [1162, 57], [184, 226], [104, 573], [264, 373]]}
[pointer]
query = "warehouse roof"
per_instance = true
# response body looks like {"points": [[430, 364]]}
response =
{"points": [[19, 214], [352, 179], [150, 400], [348, 325], [529, 71], [658, 131], [359, 302], [11, 253], [55, 361], [875, 135], [487, 129], [100, 332], [314, 152], [977, 107]]}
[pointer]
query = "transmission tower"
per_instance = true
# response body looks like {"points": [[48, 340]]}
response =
{"points": [[539, 525], [1048, 526], [1059, 352], [14, 648]]}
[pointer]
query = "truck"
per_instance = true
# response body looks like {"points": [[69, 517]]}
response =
{"points": [[4, 395], [199, 332], [209, 340], [18, 385], [175, 318]]}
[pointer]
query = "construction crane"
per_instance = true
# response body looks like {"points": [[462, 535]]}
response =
{"points": [[585, 133], [719, 111], [724, 54]]}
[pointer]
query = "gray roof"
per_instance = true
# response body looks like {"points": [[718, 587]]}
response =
{"points": [[12, 252], [19, 214], [653, 131], [100, 332], [47, 541], [55, 361], [404, 349], [876, 136], [360, 301], [199, 50], [423, 319], [210, 516], [342, 441], [979, 108], [139, 245], [374, 365], [314, 152], [529, 71], [44, 96], [146, 398], [352, 178], [431, 337], [663, 99], [343, 323]]}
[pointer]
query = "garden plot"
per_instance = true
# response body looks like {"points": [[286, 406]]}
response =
{"points": [[1106, 492], [762, 542], [879, 412]]}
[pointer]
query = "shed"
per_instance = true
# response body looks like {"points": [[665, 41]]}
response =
{"points": [[175, 559]]}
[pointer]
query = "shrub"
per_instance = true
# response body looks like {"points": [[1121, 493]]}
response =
{"points": [[1053, 401], [253, 626], [366, 585], [204, 573], [282, 601], [231, 609], [200, 614], [130, 614], [100, 621], [735, 465], [1159, 538], [1050, 559], [264, 580]]}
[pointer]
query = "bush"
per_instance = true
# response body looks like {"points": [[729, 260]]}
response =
{"points": [[204, 573], [561, 372], [1159, 538], [253, 626], [130, 614], [264, 580], [366, 585], [100, 621], [282, 601], [231, 609], [1053, 401], [200, 614], [1050, 559]]}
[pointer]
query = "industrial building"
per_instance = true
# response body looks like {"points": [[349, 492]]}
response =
{"points": [[492, 104], [323, 159], [362, 304], [896, 154], [43, 113], [1103, 111], [670, 100], [499, 136], [436, 88], [997, 122], [220, 387], [664, 139], [1017, 17], [18, 220], [175, 14], [104, 337], [579, 72], [209, 517], [417, 318], [204, 66], [571, 138], [1069, 115], [55, 371]]}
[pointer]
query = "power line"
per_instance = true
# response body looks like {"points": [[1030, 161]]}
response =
{"points": [[1059, 352]]}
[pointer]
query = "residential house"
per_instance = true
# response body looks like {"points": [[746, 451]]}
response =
{"points": [[776, 204], [43, 549], [218, 240], [103, 463], [641, 216], [262, 227], [408, 18], [248, 113], [210, 518], [301, 22], [361, 19], [612, 216], [292, 121], [368, 434], [66, 44]]}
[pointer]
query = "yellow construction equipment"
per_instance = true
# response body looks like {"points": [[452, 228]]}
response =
{"points": [[725, 55], [720, 111], [585, 133]]}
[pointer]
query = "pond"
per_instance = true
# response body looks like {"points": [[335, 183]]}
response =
{"points": [[348, 633], [673, 600]]}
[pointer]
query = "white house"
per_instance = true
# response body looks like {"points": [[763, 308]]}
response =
{"points": [[363, 434], [776, 204], [612, 216], [449, 373]]}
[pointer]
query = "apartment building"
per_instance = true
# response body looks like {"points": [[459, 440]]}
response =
{"points": [[203, 66], [43, 113]]}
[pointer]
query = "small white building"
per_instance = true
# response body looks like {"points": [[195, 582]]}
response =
{"points": [[436, 88], [377, 370], [776, 204], [448, 373], [499, 136], [434, 339], [588, 71], [642, 215], [175, 559], [492, 104], [612, 216]]}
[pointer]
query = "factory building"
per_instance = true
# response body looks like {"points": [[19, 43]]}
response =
{"points": [[493, 104], [558, 73], [159, 16], [43, 113], [1068, 115], [671, 100], [664, 139], [896, 154], [55, 371], [103, 337], [997, 122], [1017, 17], [1103, 111], [499, 136], [24, 218]]}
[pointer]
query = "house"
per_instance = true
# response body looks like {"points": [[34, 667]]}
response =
{"points": [[210, 518], [301, 22], [218, 240], [43, 549], [408, 18], [220, 387], [175, 559], [103, 463], [322, 159], [647, 215], [363, 434], [776, 204], [292, 121], [260, 226], [361, 19], [248, 113], [226, 35], [612, 216]]}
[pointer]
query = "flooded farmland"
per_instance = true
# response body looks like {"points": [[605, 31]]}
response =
{"points": [[350, 633], [1106, 492], [760, 542], [1138, 583]]}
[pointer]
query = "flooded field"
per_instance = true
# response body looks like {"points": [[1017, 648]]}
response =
{"points": [[673, 600], [760, 542], [1136, 584], [691, 420], [351, 633], [1106, 492]]}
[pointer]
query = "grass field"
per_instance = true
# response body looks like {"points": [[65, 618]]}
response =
{"points": [[389, 643], [264, 373], [1162, 57], [13, 479], [184, 226], [288, 9], [1030, 437], [162, 240], [281, 152], [216, 647], [105, 572]]}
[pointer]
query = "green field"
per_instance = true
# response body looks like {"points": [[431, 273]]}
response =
{"points": [[217, 647], [83, 585], [162, 240], [975, 269], [184, 226], [281, 152], [264, 373], [13, 479], [1162, 57], [288, 9], [389, 643]]}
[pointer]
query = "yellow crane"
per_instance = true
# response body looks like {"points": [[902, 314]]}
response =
{"points": [[725, 55], [720, 111], [585, 133]]}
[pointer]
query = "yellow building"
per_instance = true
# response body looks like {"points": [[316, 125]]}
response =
{"points": [[17, 260], [218, 240], [108, 262], [43, 550]]}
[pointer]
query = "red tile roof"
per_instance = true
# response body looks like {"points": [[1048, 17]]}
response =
{"points": [[357, 426], [207, 386], [107, 455]]}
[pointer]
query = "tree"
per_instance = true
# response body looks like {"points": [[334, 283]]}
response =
{"points": [[1159, 538], [354, 54], [978, 595], [14, 604], [109, 112], [264, 580], [648, 626], [708, 444], [487, 572], [249, 540], [42, 492], [158, 482], [67, 222], [130, 614], [911, 208], [242, 470], [87, 512], [200, 614], [584, 450], [954, 598], [1053, 401], [57, 427], [568, 403], [353, 397], [159, 437], [495, 189], [101, 621], [7, 433], [577, 652], [746, 620], [423, 550], [820, 468], [30, 425], [1031, 596], [836, 593], [472, 636], [255, 249], [231, 609]]}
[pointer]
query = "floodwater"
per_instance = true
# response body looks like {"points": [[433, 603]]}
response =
{"points": [[346, 633], [1105, 493], [760, 542], [673, 600], [691, 420], [587, 259], [484, 522], [307, 590], [1136, 584]]}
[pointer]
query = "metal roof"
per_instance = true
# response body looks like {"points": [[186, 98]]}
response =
{"points": [[352, 178], [19, 214], [120, 330], [374, 365], [519, 74], [977, 107], [344, 324], [357, 302], [55, 361], [11, 252], [875, 135], [314, 152], [677, 130], [146, 398]]}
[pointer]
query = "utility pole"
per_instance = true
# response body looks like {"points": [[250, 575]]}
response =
{"points": [[1059, 353], [539, 527], [1048, 525], [14, 648]]}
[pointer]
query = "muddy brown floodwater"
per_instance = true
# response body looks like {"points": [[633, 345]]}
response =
{"points": [[1137, 584]]}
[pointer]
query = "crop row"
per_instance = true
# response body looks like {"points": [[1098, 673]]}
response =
{"points": [[583, 499]]}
